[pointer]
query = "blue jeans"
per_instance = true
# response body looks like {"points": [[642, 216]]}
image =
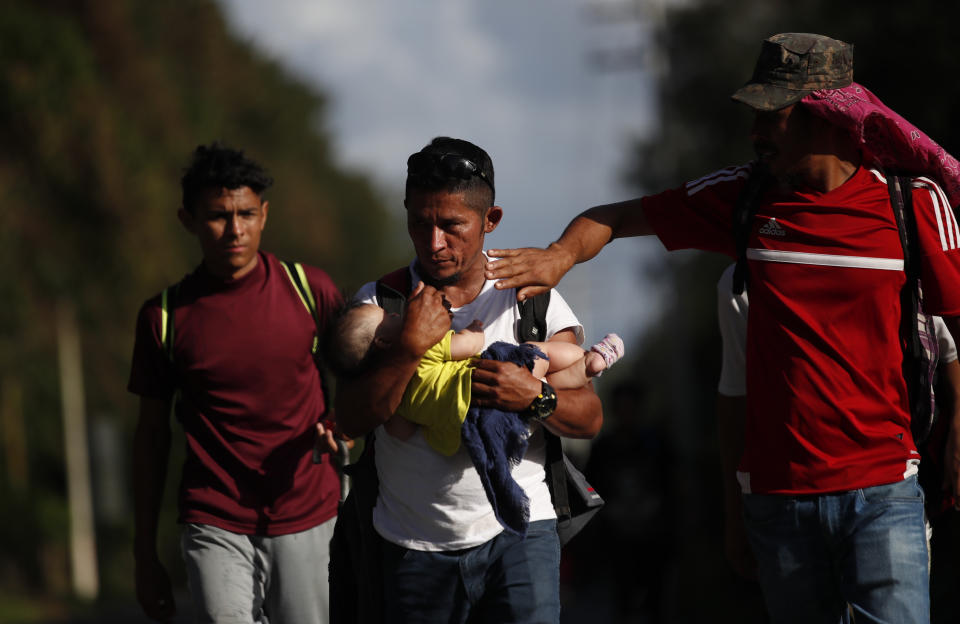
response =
{"points": [[505, 580], [818, 553]]}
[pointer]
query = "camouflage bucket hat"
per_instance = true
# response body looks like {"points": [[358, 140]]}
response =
{"points": [[791, 65]]}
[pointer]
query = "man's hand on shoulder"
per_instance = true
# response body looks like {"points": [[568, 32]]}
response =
{"points": [[530, 270]]}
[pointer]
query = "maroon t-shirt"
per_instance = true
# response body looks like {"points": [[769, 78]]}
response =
{"points": [[250, 397]]}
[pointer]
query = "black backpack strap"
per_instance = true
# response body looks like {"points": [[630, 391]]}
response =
{"points": [[901, 200], [743, 212], [917, 333], [903, 212], [533, 326], [392, 290], [574, 501], [533, 318]]}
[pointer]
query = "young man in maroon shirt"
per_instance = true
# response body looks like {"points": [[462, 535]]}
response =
{"points": [[831, 502], [237, 368]]}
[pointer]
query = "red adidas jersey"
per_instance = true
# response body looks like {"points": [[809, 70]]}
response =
{"points": [[826, 399]]}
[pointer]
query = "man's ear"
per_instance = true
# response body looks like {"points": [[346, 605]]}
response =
{"points": [[264, 208], [187, 220], [492, 220]]}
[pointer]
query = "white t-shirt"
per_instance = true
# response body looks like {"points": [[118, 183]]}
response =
{"points": [[431, 502], [732, 318]]}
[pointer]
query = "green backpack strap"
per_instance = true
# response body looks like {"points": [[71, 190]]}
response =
{"points": [[167, 297], [298, 278]]}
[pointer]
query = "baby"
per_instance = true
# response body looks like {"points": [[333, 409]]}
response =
{"points": [[438, 396]]}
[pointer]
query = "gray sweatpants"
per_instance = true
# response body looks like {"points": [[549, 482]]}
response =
{"points": [[250, 579]]}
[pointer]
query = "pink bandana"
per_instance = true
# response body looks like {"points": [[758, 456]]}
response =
{"points": [[894, 141]]}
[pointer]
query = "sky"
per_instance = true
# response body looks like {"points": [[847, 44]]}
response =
{"points": [[515, 78]]}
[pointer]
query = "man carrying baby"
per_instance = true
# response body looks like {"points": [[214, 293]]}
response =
{"points": [[445, 555]]}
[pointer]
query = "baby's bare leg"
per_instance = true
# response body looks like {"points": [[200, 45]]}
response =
{"points": [[561, 354], [566, 367], [573, 376], [579, 373], [572, 367], [594, 362]]}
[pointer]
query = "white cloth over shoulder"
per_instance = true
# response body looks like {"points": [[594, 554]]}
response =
{"points": [[948, 348], [732, 318], [428, 501]]}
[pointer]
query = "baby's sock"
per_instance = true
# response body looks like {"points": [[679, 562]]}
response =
{"points": [[610, 349]]}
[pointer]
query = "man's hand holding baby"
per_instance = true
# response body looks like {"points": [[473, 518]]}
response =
{"points": [[426, 320]]}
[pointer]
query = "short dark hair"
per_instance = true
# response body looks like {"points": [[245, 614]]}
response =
{"points": [[479, 187], [217, 166]]}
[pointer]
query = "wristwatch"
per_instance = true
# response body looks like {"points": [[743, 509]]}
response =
{"points": [[543, 404]]}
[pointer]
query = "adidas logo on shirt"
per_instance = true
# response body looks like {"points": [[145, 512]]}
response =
{"points": [[772, 228]]}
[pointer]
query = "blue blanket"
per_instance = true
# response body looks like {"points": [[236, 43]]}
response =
{"points": [[497, 441]]}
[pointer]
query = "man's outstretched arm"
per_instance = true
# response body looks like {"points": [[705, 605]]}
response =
{"points": [[370, 399], [533, 271]]}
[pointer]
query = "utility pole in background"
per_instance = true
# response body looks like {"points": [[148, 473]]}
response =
{"points": [[83, 550]]}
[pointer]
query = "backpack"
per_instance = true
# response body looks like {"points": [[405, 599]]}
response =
{"points": [[298, 278], [917, 337], [355, 592]]}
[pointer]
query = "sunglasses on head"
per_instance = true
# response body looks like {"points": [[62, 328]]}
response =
{"points": [[446, 166]]}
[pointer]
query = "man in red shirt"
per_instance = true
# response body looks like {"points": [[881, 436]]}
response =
{"points": [[832, 506], [237, 365]]}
